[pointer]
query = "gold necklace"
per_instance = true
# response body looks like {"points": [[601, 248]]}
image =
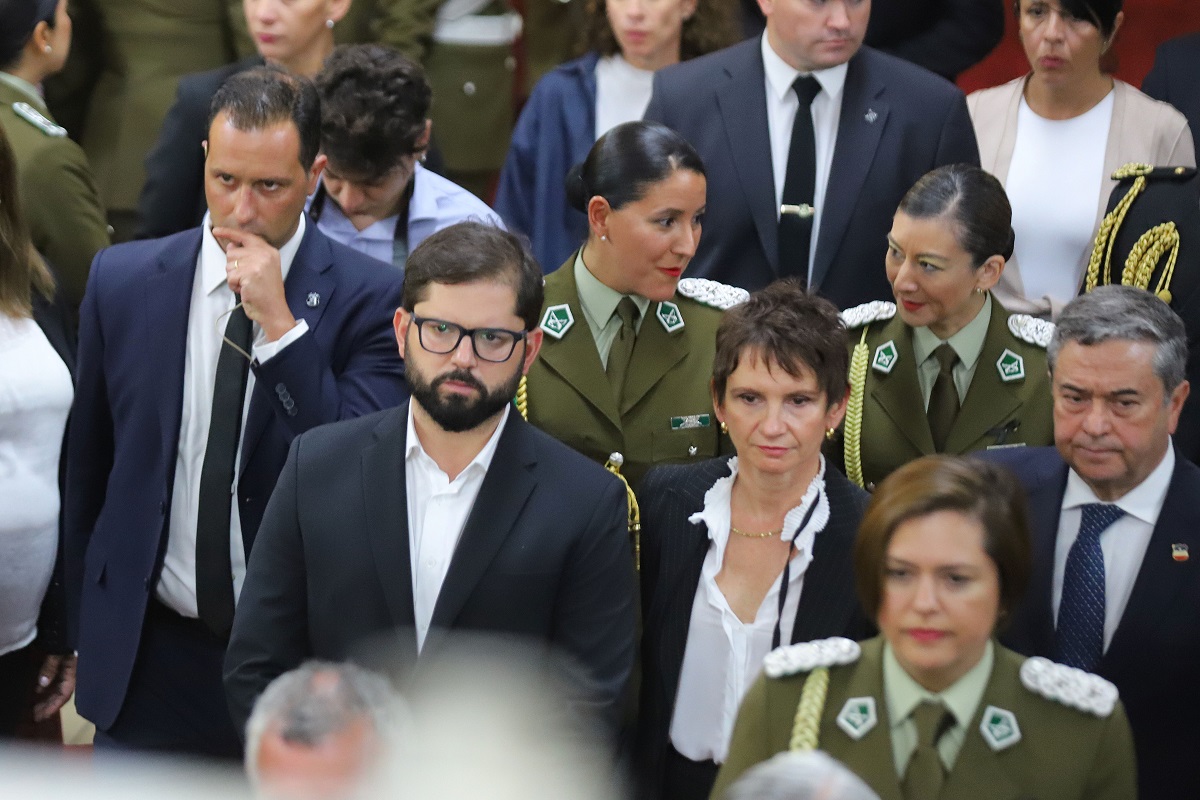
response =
{"points": [[754, 535]]}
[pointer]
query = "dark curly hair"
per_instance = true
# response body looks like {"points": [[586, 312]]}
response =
{"points": [[712, 27], [374, 103]]}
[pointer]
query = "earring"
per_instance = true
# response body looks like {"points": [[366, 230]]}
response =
{"points": [[329, 24], [830, 433], [47, 48], [603, 237], [724, 429], [978, 290]]}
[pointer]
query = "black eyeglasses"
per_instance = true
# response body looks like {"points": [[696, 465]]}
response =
{"points": [[490, 344]]}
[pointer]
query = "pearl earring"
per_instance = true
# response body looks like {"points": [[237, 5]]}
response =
{"points": [[603, 237], [329, 24], [47, 48]]}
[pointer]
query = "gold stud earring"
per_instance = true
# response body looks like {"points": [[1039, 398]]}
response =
{"points": [[724, 429], [830, 433]]}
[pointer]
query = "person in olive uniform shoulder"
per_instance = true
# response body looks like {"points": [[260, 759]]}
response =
{"points": [[944, 369], [65, 218], [934, 709], [629, 346]]}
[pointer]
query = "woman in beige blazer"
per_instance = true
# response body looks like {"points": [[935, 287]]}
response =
{"points": [[1064, 41]]}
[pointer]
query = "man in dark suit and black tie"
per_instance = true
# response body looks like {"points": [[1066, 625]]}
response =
{"points": [[447, 514], [201, 356], [809, 141], [1116, 524]]}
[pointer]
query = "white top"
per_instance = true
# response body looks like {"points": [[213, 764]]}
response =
{"points": [[437, 513], [35, 396], [723, 655], [1056, 174], [622, 92], [212, 300], [1124, 543], [782, 105]]}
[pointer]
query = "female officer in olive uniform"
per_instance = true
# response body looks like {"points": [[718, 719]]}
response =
{"points": [[628, 349], [944, 369], [934, 709]]}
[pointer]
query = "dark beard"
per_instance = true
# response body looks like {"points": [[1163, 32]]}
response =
{"points": [[458, 413]]}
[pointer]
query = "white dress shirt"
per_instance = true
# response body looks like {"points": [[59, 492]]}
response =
{"points": [[212, 300], [782, 105], [723, 655], [437, 513], [1124, 543]]}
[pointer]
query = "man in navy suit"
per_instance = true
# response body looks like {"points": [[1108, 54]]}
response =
{"points": [[1175, 77], [202, 356], [1116, 526], [878, 124], [449, 514]]}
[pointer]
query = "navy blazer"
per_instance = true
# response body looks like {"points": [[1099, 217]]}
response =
{"points": [[673, 553], [1175, 77], [124, 433], [1155, 652], [898, 121], [544, 557]]}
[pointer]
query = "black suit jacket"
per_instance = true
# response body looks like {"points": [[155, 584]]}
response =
{"points": [[1175, 77], [673, 552], [172, 198], [1155, 652], [544, 556], [897, 122]]}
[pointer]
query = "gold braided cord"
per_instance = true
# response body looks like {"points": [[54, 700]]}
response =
{"points": [[1144, 258], [852, 441], [613, 465], [807, 724], [522, 399], [1107, 237]]}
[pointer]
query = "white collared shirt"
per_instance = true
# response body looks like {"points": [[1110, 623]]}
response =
{"points": [[437, 513], [782, 105], [724, 655], [1124, 543], [212, 300]]}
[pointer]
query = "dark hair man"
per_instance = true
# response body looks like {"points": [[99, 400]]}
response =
{"points": [[201, 357]]}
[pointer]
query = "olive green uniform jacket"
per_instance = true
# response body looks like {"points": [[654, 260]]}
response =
{"points": [[1062, 753], [62, 209], [994, 413], [472, 84], [126, 58], [570, 398]]}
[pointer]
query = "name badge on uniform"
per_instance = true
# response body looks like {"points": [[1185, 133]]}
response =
{"points": [[690, 421]]}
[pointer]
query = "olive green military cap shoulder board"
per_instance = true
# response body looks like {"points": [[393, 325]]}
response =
{"points": [[1031, 330], [712, 293], [792, 659], [38, 120], [867, 313], [1069, 686]]}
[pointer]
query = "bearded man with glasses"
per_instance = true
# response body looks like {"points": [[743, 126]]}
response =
{"points": [[449, 513]]}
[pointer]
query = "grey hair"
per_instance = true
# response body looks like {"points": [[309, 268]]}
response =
{"points": [[309, 710], [800, 776], [1125, 313]]}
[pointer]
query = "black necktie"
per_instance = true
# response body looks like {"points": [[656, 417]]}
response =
{"points": [[622, 347], [943, 400], [799, 185], [214, 573]]}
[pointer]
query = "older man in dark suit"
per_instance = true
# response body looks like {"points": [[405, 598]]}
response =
{"points": [[201, 356], [450, 513], [810, 140], [1114, 520]]}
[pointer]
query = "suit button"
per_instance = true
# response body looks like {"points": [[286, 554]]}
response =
{"points": [[280, 389], [469, 88]]}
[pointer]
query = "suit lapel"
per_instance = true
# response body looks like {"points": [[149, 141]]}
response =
{"points": [[506, 488], [990, 400], [167, 300], [574, 357], [861, 124], [979, 772], [385, 497], [824, 581], [308, 277], [1160, 578], [1045, 508], [655, 353], [871, 756], [679, 594], [898, 393], [742, 101]]}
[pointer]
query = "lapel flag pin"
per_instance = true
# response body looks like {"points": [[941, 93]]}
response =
{"points": [[1179, 552], [313, 300], [871, 116]]}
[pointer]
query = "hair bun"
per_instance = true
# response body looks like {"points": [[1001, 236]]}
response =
{"points": [[578, 194], [1012, 243]]}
